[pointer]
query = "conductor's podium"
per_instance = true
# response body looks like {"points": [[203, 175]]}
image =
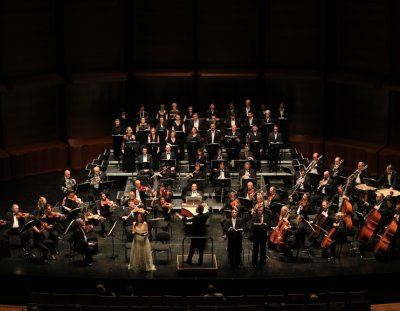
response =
{"points": [[209, 266]]}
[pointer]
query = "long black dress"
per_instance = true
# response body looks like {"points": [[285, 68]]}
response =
{"points": [[128, 161]]}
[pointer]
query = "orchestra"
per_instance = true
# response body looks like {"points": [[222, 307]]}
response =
{"points": [[325, 204]]}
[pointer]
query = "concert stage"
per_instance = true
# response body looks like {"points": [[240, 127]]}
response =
{"points": [[20, 275]]}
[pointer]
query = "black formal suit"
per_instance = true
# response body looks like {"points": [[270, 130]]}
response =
{"points": [[198, 228], [232, 144], [200, 127], [243, 112], [335, 202], [190, 194], [246, 122], [82, 246], [217, 137], [267, 126], [142, 194], [274, 149], [192, 144], [149, 159], [327, 224], [255, 147], [383, 181], [251, 172], [260, 227], [238, 123], [295, 237], [234, 241], [172, 156], [229, 112], [324, 191]]}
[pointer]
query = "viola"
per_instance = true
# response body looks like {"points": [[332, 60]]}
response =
{"points": [[22, 215]]}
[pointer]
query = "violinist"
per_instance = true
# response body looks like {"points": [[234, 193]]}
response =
{"points": [[140, 190], [302, 207], [15, 222], [71, 205], [234, 228], [164, 207], [260, 224], [166, 192], [259, 203], [129, 218], [295, 236], [52, 218], [249, 192], [105, 209], [41, 206], [272, 200], [42, 240], [338, 235]]}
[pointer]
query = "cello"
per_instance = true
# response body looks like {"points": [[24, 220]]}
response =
{"points": [[319, 222], [384, 242], [327, 240], [371, 221], [277, 236]]}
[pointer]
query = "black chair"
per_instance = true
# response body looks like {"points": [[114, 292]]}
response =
{"points": [[162, 244]]}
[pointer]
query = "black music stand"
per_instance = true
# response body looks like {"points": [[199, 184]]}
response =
{"points": [[104, 185], [83, 187], [152, 146], [111, 232], [142, 135], [143, 165], [274, 153], [246, 203], [222, 183], [167, 182], [212, 149], [168, 163]]}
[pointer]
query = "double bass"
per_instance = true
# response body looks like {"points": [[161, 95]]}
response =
{"points": [[371, 221], [347, 208], [384, 242]]}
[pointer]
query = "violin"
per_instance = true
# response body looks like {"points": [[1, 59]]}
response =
{"points": [[2, 222], [142, 188], [167, 206], [234, 204], [23, 215]]}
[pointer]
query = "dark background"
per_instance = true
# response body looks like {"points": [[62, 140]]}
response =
{"points": [[67, 67]]}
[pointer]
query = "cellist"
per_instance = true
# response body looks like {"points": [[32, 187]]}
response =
{"points": [[323, 220], [337, 234]]}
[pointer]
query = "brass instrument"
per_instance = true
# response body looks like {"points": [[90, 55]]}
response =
{"points": [[335, 169], [322, 183]]}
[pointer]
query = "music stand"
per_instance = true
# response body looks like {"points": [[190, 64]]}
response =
{"points": [[212, 148], [111, 232], [215, 163], [167, 181], [246, 203], [106, 185], [222, 183], [142, 134], [143, 165], [275, 155], [193, 145], [194, 200], [162, 134], [168, 163], [83, 187]]}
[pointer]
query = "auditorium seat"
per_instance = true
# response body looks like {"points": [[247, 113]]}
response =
{"points": [[235, 300], [41, 298], [152, 301], [171, 300], [107, 300], [84, 299], [5, 165], [62, 299], [353, 151], [128, 300], [82, 151], [306, 144], [38, 158]]}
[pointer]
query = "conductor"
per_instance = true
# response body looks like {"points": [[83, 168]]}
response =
{"points": [[198, 230]]}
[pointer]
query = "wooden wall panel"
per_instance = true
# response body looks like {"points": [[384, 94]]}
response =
{"points": [[92, 107], [363, 43], [28, 38], [394, 124], [304, 103], [228, 34], [360, 113], [222, 91], [94, 36], [155, 91], [294, 34], [163, 34], [31, 116]]}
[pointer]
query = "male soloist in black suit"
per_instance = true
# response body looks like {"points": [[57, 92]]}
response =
{"points": [[234, 229], [261, 223]]}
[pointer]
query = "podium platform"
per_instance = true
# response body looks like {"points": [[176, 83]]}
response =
{"points": [[208, 268]]}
